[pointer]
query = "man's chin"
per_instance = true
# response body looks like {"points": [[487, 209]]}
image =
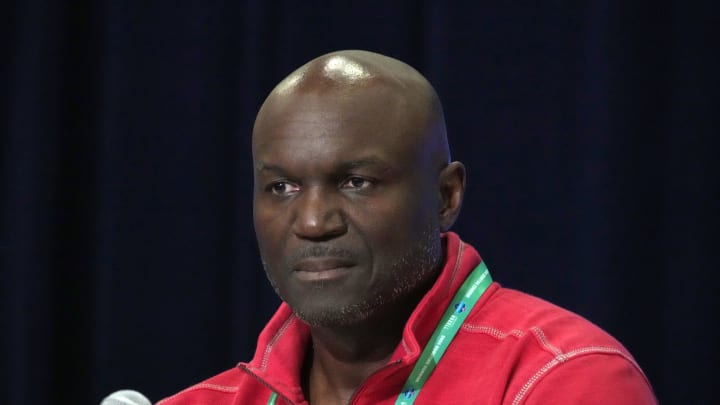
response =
{"points": [[335, 317]]}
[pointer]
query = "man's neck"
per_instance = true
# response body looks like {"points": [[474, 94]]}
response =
{"points": [[336, 367], [343, 357]]}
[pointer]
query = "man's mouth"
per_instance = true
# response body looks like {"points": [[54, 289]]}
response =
{"points": [[322, 268]]}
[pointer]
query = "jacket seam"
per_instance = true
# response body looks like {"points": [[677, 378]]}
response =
{"points": [[540, 335], [267, 385], [405, 347], [494, 332], [458, 260], [271, 344], [461, 249], [213, 387], [563, 358]]}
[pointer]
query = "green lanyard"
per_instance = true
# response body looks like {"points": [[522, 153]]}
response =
{"points": [[460, 306]]}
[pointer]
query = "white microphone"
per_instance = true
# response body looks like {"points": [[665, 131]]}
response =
{"points": [[125, 397]]}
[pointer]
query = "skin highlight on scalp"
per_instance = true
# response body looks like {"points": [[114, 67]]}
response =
{"points": [[347, 72]]}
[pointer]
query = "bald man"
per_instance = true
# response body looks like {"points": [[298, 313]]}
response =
{"points": [[354, 197]]}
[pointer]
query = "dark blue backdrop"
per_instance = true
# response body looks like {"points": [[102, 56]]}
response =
{"points": [[127, 251]]}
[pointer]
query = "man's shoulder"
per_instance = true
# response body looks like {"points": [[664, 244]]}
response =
{"points": [[536, 346], [517, 313], [219, 389], [534, 334]]}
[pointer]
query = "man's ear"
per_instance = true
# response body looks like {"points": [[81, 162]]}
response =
{"points": [[452, 191]]}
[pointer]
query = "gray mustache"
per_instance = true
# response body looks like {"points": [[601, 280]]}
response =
{"points": [[322, 251]]}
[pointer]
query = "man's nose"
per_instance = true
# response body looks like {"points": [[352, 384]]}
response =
{"points": [[318, 215]]}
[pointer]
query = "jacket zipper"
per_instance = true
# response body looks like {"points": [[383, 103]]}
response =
{"points": [[257, 377]]}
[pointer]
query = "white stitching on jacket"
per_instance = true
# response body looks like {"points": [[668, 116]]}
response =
{"points": [[272, 342], [546, 343], [494, 332], [563, 357], [215, 387]]}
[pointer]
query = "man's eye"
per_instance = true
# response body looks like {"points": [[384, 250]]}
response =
{"points": [[283, 188], [357, 183]]}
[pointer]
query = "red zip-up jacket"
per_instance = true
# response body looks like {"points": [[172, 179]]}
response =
{"points": [[512, 349]]}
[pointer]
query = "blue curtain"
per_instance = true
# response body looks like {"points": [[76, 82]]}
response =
{"points": [[127, 252]]}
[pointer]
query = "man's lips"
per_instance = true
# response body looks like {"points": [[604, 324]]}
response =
{"points": [[322, 268]]}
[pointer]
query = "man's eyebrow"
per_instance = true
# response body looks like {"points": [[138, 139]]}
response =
{"points": [[267, 167]]}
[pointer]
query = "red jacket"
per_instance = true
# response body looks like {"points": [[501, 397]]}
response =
{"points": [[512, 349]]}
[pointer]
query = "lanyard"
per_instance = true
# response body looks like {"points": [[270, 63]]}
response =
{"points": [[460, 306]]}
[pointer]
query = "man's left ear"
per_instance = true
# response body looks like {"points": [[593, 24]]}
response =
{"points": [[452, 189]]}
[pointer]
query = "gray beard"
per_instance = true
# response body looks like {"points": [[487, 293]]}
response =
{"points": [[411, 271]]}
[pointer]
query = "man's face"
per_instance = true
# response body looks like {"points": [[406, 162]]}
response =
{"points": [[345, 203]]}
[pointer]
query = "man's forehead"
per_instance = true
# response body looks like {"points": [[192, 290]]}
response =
{"points": [[325, 123], [275, 165], [337, 130]]}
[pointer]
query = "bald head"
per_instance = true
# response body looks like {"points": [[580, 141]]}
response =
{"points": [[345, 70], [351, 74]]}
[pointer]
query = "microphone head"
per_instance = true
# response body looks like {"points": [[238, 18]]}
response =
{"points": [[125, 397]]}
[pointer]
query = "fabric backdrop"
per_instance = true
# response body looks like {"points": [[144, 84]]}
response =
{"points": [[128, 257]]}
